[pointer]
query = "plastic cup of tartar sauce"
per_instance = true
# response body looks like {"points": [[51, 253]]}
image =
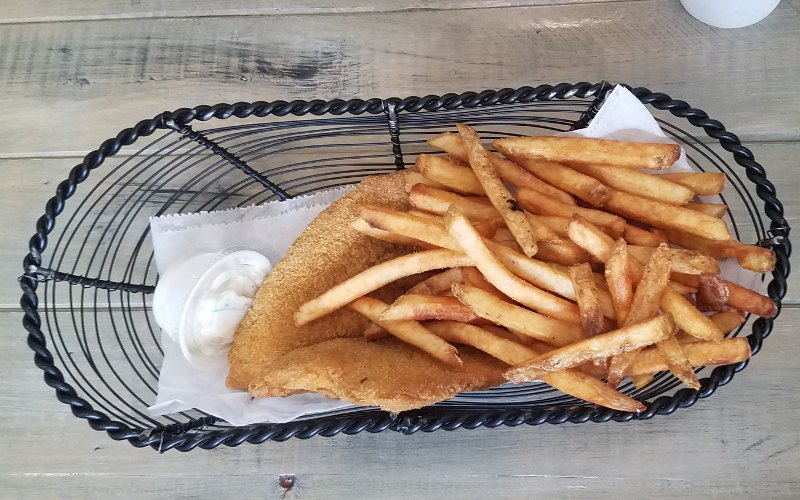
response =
{"points": [[200, 302]]}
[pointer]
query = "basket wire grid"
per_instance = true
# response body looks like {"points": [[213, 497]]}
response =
{"points": [[94, 335]]}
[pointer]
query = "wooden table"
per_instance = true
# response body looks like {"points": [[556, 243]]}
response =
{"points": [[73, 74]]}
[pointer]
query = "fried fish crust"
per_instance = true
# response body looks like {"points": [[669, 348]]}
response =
{"points": [[326, 253], [386, 373]]}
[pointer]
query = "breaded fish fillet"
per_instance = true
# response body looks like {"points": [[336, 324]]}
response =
{"points": [[326, 253], [386, 373]]}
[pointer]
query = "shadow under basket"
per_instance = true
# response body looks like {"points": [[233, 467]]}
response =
{"points": [[88, 279]]}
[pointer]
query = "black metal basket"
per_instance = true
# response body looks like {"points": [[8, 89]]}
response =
{"points": [[97, 343]]}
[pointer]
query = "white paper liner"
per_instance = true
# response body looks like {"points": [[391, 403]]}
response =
{"points": [[272, 227]]}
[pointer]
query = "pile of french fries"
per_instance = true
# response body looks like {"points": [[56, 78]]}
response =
{"points": [[592, 271]]}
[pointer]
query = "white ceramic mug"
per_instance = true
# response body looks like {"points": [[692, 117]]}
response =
{"points": [[730, 13]]}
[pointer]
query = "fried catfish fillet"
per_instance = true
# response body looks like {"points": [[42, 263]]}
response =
{"points": [[326, 253], [386, 373]]}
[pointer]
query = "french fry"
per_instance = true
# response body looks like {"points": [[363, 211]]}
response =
{"points": [[641, 381], [712, 209], [638, 236], [565, 253], [602, 346], [437, 201], [538, 204], [589, 237], [555, 223], [438, 283], [620, 282], [572, 181], [747, 300], [410, 332], [427, 307], [653, 285], [699, 354], [497, 192], [570, 382], [646, 301], [667, 216], [498, 275], [473, 277], [411, 178], [514, 174], [408, 226], [751, 257], [688, 318], [728, 321], [593, 151], [683, 261], [588, 299], [482, 339], [362, 226], [655, 187], [375, 277], [517, 318], [677, 362], [521, 178], [702, 183], [373, 331], [712, 293], [450, 175]]}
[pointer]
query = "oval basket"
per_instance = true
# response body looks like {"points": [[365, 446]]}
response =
{"points": [[88, 279]]}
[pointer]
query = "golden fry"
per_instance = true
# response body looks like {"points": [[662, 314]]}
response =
{"points": [[410, 332], [602, 346], [411, 178], [497, 192], [712, 209], [588, 299], [572, 181], [375, 277], [538, 204], [620, 281], [510, 172], [418, 307], [638, 236], [683, 261], [498, 275], [666, 216], [363, 226], [570, 382], [517, 318], [677, 362], [702, 183], [593, 151], [689, 318], [450, 175], [434, 200], [655, 187], [438, 283], [751, 257], [699, 354]]}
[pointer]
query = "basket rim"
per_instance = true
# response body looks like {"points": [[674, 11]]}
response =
{"points": [[373, 420]]}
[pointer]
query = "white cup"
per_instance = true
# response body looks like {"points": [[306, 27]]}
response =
{"points": [[730, 13], [200, 301]]}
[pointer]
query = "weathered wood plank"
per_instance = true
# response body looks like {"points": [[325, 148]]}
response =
{"points": [[742, 439], [76, 86], [19, 11]]}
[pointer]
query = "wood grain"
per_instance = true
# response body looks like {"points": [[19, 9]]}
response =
{"points": [[741, 440], [77, 83], [20, 11]]}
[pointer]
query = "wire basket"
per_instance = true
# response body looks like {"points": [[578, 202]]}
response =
{"points": [[88, 280]]}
